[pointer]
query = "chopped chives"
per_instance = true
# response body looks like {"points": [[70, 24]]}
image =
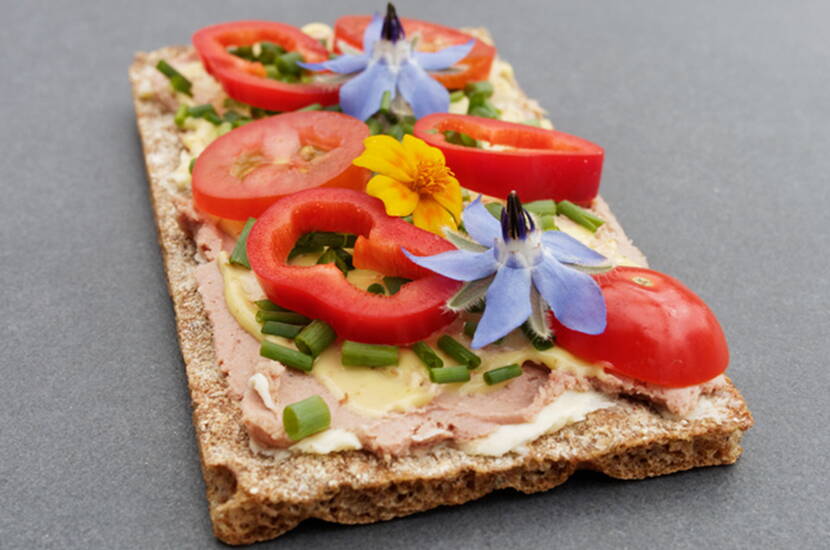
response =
{"points": [[549, 223], [538, 342], [376, 288], [281, 329], [579, 215], [458, 138], [457, 351], [368, 355], [306, 417], [268, 305], [239, 256], [315, 338], [287, 64], [485, 111], [385, 102], [470, 328], [482, 88], [191, 165], [394, 284], [427, 355], [541, 207], [287, 356], [268, 52], [282, 316], [501, 374], [181, 115], [449, 375], [330, 257], [495, 209], [457, 95], [245, 52], [345, 257], [177, 80]]}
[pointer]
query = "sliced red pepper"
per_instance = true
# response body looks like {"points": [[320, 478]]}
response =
{"points": [[245, 80], [322, 292], [539, 163]]}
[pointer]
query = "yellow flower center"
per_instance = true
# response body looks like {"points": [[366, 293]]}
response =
{"points": [[431, 177]]}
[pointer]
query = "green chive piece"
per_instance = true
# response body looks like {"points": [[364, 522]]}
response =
{"points": [[268, 52], [312, 107], [181, 115], [458, 138], [470, 328], [315, 338], [385, 102], [282, 316], [482, 88], [245, 52], [549, 223], [502, 373], [306, 417], [368, 355], [177, 80], [345, 257], [495, 209], [239, 256], [449, 375], [376, 288], [351, 240], [485, 111], [541, 208], [328, 238], [394, 284], [539, 343], [232, 116], [191, 165], [457, 351], [281, 329], [287, 63], [287, 356], [427, 355], [457, 95], [268, 305], [581, 216], [375, 126], [206, 112], [330, 257]]}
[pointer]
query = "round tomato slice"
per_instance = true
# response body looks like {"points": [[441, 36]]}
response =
{"points": [[245, 80], [245, 171], [658, 331], [431, 37], [552, 165], [322, 291]]}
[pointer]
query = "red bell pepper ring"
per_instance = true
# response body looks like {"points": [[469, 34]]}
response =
{"points": [[539, 164], [322, 292], [245, 80]]}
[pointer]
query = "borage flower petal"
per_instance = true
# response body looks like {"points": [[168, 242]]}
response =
{"points": [[372, 32], [423, 93], [345, 64], [459, 265], [568, 250], [480, 224], [574, 297], [435, 61], [361, 95], [508, 305]]}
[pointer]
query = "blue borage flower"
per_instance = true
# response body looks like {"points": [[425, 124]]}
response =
{"points": [[521, 272], [390, 64]]}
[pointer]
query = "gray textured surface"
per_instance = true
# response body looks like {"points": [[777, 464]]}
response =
{"points": [[715, 121]]}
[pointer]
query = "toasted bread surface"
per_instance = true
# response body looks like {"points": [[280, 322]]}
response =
{"points": [[253, 497]]}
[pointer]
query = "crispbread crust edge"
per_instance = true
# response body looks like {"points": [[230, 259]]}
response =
{"points": [[253, 497]]}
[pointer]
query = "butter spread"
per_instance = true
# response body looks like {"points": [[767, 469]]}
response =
{"points": [[261, 385], [571, 406], [328, 441]]}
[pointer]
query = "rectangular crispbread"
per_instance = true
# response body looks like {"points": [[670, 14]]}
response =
{"points": [[253, 497]]}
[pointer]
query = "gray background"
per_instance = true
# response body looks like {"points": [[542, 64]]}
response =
{"points": [[714, 117]]}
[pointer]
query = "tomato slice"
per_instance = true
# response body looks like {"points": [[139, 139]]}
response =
{"points": [[245, 80], [322, 292], [658, 331], [245, 171], [431, 37], [539, 164]]}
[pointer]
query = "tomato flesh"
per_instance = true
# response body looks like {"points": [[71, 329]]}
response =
{"points": [[658, 331], [245, 171], [322, 292], [539, 164], [431, 37], [245, 80]]}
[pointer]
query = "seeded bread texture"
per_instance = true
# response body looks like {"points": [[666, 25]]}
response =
{"points": [[252, 497]]}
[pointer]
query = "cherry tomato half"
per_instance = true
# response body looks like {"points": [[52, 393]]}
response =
{"points": [[322, 291], [245, 171], [658, 331], [431, 37], [245, 80], [540, 164]]}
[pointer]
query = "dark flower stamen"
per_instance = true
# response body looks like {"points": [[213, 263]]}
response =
{"points": [[392, 29], [516, 222]]}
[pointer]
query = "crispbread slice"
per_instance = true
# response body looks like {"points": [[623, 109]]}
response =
{"points": [[253, 497]]}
